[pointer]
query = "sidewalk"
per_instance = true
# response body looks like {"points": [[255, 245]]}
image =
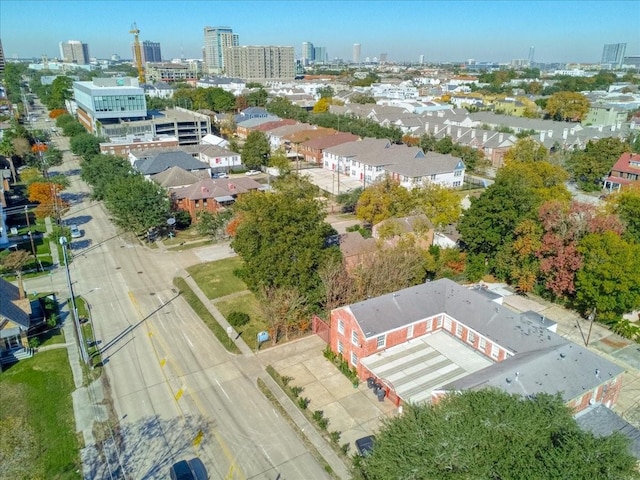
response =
{"points": [[293, 411]]}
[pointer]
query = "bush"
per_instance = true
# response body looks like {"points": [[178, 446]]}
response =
{"points": [[335, 436], [52, 321], [238, 319], [296, 391], [34, 342], [303, 402]]}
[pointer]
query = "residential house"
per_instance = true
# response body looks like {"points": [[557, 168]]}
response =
{"points": [[432, 167], [356, 249], [211, 195], [293, 141], [218, 158], [341, 157], [175, 177], [423, 342], [15, 322], [277, 136], [262, 125], [374, 165], [626, 170], [605, 115], [311, 150], [149, 162]]}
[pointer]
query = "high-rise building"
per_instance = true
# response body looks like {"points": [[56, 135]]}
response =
{"points": [[308, 53], [74, 51], [532, 52], [260, 63], [421, 59], [383, 58], [2, 63], [216, 39], [151, 51], [356, 53], [320, 55], [613, 54]]}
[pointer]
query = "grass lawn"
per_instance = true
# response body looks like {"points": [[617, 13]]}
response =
{"points": [[189, 235], [247, 304], [189, 246], [37, 426], [205, 315], [216, 279]]}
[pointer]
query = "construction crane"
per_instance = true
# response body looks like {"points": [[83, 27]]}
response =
{"points": [[137, 51]]}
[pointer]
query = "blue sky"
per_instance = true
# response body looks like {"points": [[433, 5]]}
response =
{"points": [[440, 30]]}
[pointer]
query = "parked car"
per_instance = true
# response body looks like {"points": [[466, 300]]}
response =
{"points": [[75, 231], [189, 470], [365, 445], [220, 175], [253, 172]]}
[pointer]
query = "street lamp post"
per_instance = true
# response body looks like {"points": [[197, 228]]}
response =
{"points": [[74, 313]]}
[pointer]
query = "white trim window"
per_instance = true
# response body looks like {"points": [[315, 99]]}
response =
{"points": [[483, 343], [341, 326], [458, 329], [471, 337], [439, 322], [447, 324], [340, 348], [354, 338], [495, 351], [354, 359], [410, 331], [381, 341]]}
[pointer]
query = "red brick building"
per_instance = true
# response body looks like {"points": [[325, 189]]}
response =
{"points": [[422, 342], [626, 170], [211, 195]]}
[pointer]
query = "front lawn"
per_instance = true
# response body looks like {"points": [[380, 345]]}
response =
{"points": [[248, 304], [37, 426], [216, 279]]}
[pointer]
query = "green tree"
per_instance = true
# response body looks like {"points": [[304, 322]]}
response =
{"points": [[490, 434], [626, 204], [527, 150], [257, 98], [281, 238], [349, 199], [589, 166], [136, 204], [325, 92], [61, 90], [568, 106], [85, 144], [382, 200], [213, 224], [609, 279], [101, 170], [440, 204], [519, 190], [362, 98], [255, 152]]}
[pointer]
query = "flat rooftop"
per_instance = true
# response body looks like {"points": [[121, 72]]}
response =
{"points": [[421, 365]]}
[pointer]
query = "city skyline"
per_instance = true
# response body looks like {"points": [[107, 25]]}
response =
{"points": [[560, 32]]}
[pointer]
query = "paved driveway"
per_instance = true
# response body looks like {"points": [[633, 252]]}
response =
{"points": [[355, 412]]}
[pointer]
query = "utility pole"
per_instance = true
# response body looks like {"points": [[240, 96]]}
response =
{"points": [[74, 312]]}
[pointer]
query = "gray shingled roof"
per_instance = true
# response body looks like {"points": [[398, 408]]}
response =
{"points": [[431, 164], [541, 360], [359, 147], [10, 310], [175, 177], [602, 422], [164, 160]]}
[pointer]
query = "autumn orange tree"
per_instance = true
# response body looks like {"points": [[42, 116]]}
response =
{"points": [[47, 195], [57, 112]]}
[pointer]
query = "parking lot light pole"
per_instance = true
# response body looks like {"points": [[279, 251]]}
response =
{"points": [[74, 312]]}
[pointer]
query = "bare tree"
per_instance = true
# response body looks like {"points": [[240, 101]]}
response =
{"points": [[337, 284], [283, 308], [14, 262]]}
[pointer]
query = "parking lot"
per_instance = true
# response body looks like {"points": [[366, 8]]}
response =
{"points": [[355, 412]]}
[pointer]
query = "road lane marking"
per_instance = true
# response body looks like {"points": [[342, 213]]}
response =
{"points": [[187, 339], [225, 393]]}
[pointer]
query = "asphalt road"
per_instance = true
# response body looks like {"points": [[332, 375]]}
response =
{"points": [[176, 392]]}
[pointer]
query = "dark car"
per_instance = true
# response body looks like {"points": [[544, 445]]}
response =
{"points": [[365, 445], [188, 470]]}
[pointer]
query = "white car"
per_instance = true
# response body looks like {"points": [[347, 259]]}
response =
{"points": [[75, 231], [253, 172]]}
